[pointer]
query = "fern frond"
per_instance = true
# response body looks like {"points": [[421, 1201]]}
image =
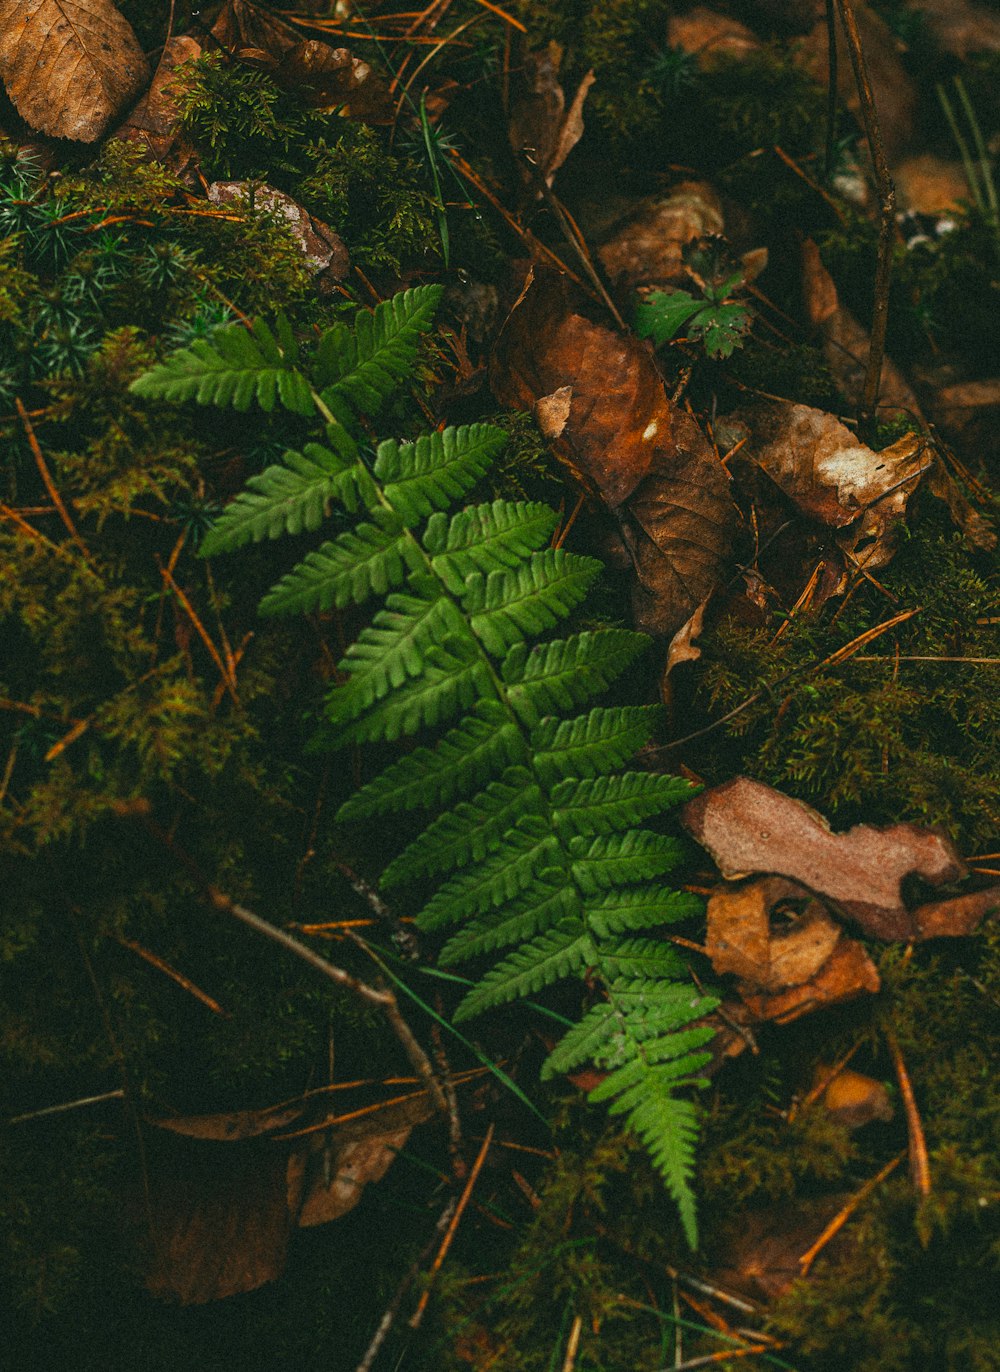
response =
{"points": [[418, 478], [392, 650], [468, 832], [289, 499], [451, 680], [507, 606], [668, 1126], [541, 907], [549, 957], [485, 538], [364, 364], [611, 860], [464, 759], [592, 744], [368, 560], [602, 805], [563, 674], [530, 853], [639, 957], [234, 367], [638, 907]]}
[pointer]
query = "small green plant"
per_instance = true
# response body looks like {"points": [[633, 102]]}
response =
{"points": [[534, 830], [712, 318]]}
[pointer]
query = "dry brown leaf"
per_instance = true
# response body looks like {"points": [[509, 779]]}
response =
{"points": [[929, 184], [326, 76], [846, 344], [321, 247], [853, 1099], [750, 828], [761, 1258], [847, 973], [961, 27], [741, 938], [603, 404], [710, 36], [646, 249], [70, 66], [154, 122], [244, 28], [540, 125], [233, 1125], [835, 479], [683, 647]]}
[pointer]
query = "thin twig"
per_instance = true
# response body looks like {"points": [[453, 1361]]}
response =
{"points": [[49, 484], [463, 1200], [839, 1220], [392, 1309], [920, 1168], [383, 998], [573, 1344], [886, 227], [831, 90], [404, 939], [178, 977], [118, 1094]]}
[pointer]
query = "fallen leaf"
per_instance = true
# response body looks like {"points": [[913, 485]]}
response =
{"points": [[70, 66], [956, 917], [327, 77], [835, 479], [760, 1258], [846, 344], [961, 27], [540, 125], [847, 973], [323, 249], [242, 27], [646, 249], [154, 121], [854, 1099], [683, 647], [750, 828], [928, 184], [710, 36], [603, 404], [231, 1126], [741, 939], [968, 413]]}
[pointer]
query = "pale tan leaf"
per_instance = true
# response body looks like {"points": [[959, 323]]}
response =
{"points": [[70, 66]]}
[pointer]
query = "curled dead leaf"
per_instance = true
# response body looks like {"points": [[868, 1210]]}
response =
{"points": [[750, 828], [540, 125], [327, 77], [71, 67], [646, 249], [154, 121]]}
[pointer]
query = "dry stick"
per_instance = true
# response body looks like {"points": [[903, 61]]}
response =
{"points": [[405, 939], [839, 1220], [831, 90], [50, 486], [392, 1309], [920, 1168], [887, 221], [385, 999], [572, 1344], [463, 1200], [202, 633], [722, 1355], [181, 980], [119, 1094]]}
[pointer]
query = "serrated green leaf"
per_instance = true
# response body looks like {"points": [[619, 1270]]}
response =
{"points": [[639, 907], [612, 860], [529, 853], [663, 314], [364, 365], [591, 744], [547, 958], [361, 562], [558, 676], [505, 607], [433, 472], [603, 805], [485, 538]]}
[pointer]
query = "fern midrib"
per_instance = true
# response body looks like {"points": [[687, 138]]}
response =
{"points": [[525, 743]]}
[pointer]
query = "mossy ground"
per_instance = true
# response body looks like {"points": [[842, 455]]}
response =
{"points": [[111, 691]]}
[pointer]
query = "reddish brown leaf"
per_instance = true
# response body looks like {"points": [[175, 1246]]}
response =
{"points": [[761, 1258], [233, 1125], [709, 36], [847, 973], [646, 249], [327, 76], [961, 26], [70, 66], [748, 828], [241, 25], [153, 123], [855, 1100], [601, 400]]}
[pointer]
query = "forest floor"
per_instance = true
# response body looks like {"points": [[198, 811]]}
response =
{"points": [[704, 309]]}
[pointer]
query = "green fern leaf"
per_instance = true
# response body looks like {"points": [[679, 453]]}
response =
{"points": [[547, 958], [653, 1009], [611, 860], [586, 1041], [601, 805], [234, 367], [563, 674], [668, 1126], [451, 680], [464, 759], [507, 606], [541, 907], [530, 853], [431, 473], [392, 650], [367, 560], [364, 364], [639, 957], [639, 907], [485, 538], [468, 832], [592, 744]]}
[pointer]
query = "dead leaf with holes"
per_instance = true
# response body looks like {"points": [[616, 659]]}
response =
{"points": [[749, 828], [786, 967], [71, 67], [835, 479], [600, 399]]}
